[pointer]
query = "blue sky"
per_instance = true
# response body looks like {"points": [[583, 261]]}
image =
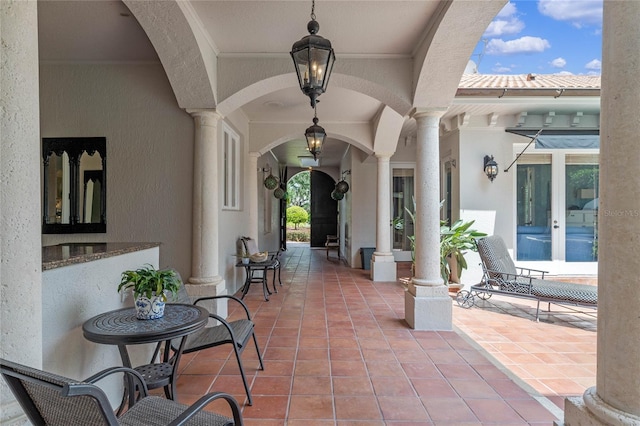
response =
{"points": [[543, 37]]}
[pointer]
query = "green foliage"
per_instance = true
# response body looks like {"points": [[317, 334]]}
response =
{"points": [[298, 236], [148, 280], [299, 190], [296, 215], [454, 241]]}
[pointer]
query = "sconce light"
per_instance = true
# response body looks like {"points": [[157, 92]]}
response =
{"points": [[490, 167]]}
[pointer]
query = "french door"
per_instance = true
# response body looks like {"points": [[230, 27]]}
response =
{"points": [[557, 206]]}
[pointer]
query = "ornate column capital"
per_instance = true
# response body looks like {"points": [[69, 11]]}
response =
{"points": [[206, 117], [254, 154], [383, 155], [436, 112]]}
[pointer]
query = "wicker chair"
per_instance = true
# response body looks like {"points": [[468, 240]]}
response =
{"points": [[49, 399], [235, 333], [501, 276]]}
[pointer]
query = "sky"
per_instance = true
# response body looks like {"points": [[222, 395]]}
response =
{"points": [[543, 37]]}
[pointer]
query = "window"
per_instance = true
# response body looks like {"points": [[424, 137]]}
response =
{"points": [[402, 201], [231, 159]]}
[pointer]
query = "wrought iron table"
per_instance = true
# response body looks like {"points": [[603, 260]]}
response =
{"points": [[252, 267], [122, 328]]}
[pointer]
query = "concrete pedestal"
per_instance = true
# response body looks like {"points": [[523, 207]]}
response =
{"points": [[428, 308], [383, 268]]}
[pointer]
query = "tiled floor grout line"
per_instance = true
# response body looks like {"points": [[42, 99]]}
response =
{"points": [[543, 400], [320, 297]]}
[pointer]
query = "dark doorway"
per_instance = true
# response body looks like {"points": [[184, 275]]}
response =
{"points": [[324, 209]]}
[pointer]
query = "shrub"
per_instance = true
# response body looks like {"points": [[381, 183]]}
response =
{"points": [[297, 236], [296, 215]]}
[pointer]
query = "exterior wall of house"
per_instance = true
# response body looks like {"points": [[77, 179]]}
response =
{"points": [[362, 225], [149, 157], [149, 150], [476, 191]]}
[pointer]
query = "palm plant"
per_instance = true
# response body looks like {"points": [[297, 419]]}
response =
{"points": [[455, 240]]}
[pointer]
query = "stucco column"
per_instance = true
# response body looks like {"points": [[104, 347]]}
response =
{"points": [[252, 186], [383, 265], [427, 301], [615, 400], [205, 276], [20, 206]]}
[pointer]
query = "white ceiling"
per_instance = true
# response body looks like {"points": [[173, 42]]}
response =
{"points": [[105, 31]]}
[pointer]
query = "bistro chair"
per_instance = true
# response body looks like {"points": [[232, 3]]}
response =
{"points": [[49, 399], [236, 333]]}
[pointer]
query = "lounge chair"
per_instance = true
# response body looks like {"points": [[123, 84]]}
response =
{"points": [[501, 276], [49, 399]]}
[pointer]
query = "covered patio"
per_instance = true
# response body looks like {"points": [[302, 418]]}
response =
{"points": [[338, 351]]}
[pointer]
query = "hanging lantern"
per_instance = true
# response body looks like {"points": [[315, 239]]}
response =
{"points": [[315, 137], [279, 193], [336, 195], [313, 58], [342, 187], [271, 182]]}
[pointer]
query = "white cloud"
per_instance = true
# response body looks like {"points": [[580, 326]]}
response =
{"points": [[564, 73], [501, 70], [525, 44], [508, 10], [577, 12], [558, 63], [501, 27], [594, 65], [506, 23]]}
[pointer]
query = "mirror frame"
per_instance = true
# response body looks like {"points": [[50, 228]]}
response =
{"points": [[74, 147]]}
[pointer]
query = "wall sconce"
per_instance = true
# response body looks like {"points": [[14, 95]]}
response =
{"points": [[490, 167]]}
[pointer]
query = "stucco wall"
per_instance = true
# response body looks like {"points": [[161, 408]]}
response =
{"points": [[149, 150], [362, 227], [477, 192], [67, 305]]}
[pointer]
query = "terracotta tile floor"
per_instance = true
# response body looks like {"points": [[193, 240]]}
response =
{"points": [[337, 351]]}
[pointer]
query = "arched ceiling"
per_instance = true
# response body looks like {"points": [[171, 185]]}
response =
{"points": [[375, 43]]}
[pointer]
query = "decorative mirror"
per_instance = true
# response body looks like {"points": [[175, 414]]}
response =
{"points": [[74, 185]]}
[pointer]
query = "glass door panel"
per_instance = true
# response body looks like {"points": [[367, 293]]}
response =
{"points": [[581, 197], [402, 200], [534, 207]]}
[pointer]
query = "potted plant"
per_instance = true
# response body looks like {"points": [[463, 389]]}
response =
{"points": [[150, 288], [455, 240]]}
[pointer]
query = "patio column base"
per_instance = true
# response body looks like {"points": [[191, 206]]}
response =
{"points": [[383, 267], [428, 308], [218, 306], [591, 410]]}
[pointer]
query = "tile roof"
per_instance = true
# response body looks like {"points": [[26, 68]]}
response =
{"points": [[529, 81]]}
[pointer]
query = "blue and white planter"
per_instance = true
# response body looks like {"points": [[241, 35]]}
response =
{"points": [[147, 309]]}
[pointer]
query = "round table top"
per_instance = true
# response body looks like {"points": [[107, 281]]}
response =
{"points": [[121, 327]]}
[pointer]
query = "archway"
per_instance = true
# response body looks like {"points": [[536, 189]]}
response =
{"points": [[324, 209]]}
